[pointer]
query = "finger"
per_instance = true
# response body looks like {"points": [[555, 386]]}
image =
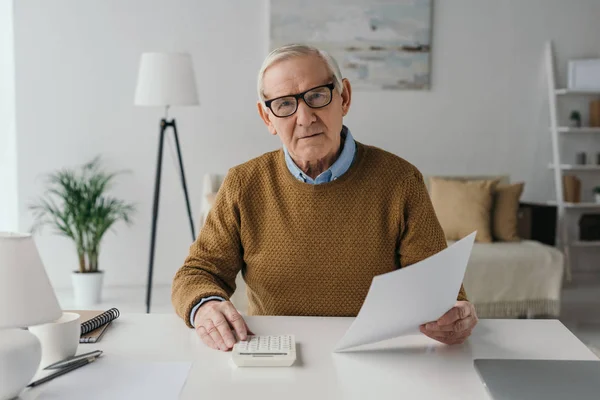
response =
{"points": [[448, 338], [225, 330], [441, 336], [236, 321], [459, 326], [205, 337], [446, 334], [438, 335], [248, 329], [453, 334], [214, 333], [460, 311]]}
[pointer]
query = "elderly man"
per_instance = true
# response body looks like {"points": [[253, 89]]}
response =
{"points": [[310, 225]]}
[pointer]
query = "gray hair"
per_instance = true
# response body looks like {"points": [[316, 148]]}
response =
{"points": [[298, 50]]}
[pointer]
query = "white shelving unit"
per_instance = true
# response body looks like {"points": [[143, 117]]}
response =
{"points": [[578, 243], [575, 168], [576, 92], [566, 129], [566, 210], [586, 206]]}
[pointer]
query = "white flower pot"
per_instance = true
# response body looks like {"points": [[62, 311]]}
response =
{"points": [[597, 197], [87, 288]]}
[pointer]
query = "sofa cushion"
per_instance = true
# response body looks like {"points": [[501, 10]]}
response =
{"points": [[463, 207], [506, 208], [503, 179]]}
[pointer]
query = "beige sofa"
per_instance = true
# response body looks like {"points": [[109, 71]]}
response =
{"points": [[503, 280], [513, 279]]}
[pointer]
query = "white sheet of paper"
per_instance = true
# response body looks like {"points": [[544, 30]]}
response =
{"points": [[400, 301], [112, 379]]}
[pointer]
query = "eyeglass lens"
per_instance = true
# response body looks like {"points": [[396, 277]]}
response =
{"points": [[316, 98]]}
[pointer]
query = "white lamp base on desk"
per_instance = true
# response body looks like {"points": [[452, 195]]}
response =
{"points": [[20, 355]]}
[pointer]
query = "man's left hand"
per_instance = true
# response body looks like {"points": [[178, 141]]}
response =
{"points": [[455, 326]]}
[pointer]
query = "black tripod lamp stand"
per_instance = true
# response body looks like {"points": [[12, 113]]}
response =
{"points": [[165, 79]]}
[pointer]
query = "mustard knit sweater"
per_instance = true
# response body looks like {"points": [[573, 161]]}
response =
{"points": [[309, 249]]}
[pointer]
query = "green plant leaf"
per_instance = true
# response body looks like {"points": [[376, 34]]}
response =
{"points": [[76, 205]]}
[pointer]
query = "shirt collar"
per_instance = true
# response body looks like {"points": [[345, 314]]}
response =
{"points": [[339, 167]]}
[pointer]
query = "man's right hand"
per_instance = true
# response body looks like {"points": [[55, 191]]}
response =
{"points": [[214, 322]]}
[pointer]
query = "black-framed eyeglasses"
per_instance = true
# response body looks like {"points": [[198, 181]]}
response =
{"points": [[317, 97]]}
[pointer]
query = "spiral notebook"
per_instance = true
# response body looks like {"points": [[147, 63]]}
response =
{"points": [[94, 323]]}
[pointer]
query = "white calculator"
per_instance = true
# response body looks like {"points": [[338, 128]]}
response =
{"points": [[265, 351]]}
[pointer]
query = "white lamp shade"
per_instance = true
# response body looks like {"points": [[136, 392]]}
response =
{"points": [[26, 296], [166, 79]]}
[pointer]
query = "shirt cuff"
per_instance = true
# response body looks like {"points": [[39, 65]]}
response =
{"points": [[197, 306]]}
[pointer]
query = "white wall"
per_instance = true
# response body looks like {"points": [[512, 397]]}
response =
{"points": [[9, 217], [76, 64]]}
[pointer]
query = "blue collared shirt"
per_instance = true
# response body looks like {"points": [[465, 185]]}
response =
{"points": [[339, 167]]}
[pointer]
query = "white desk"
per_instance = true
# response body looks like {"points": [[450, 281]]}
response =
{"points": [[409, 367]]}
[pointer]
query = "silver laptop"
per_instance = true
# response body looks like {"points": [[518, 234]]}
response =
{"points": [[540, 379]]}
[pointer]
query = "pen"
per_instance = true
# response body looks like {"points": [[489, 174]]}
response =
{"points": [[63, 371], [71, 360]]}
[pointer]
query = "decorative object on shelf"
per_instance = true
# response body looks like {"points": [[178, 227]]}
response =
{"points": [[77, 206], [596, 191], [572, 189], [26, 299], [589, 227], [379, 45], [595, 113], [581, 158], [584, 74], [575, 119], [165, 80]]}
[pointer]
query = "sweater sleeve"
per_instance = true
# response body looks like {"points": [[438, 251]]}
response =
{"points": [[215, 257], [421, 234]]}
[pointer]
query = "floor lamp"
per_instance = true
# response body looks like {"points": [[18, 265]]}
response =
{"points": [[165, 79]]}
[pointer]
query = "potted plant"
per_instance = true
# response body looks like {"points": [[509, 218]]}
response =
{"points": [[575, 119], [76, 205], [597, 194]]}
